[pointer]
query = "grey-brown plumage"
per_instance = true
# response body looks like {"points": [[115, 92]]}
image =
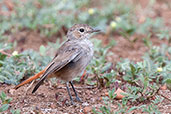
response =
{"points": [[72, 57]]}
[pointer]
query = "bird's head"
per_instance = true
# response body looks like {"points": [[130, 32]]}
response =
{"points": [[80, 31]]}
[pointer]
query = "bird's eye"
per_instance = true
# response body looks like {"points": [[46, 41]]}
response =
{"points": [[81, 30]]}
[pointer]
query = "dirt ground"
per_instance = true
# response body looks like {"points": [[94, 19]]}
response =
{"points": [[55, 100]]}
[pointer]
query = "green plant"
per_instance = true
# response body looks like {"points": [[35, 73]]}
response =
{"points": [[165, 34], [5, 102], [150, 26], [102, 69], [127, 27], [22, 65], [104, 109], [142, 80], [50, 17], [147, 41], [17, 111]]}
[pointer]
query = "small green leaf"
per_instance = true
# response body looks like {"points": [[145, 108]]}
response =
{"points": [[42, 50], [7, 101], [17, 111], [168, 84], [131, 109], [106, 67], [3, 96], [133, 69], [111, 94], [4, 107]]}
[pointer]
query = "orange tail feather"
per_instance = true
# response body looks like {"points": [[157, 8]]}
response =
{"points": [[30, 79]]}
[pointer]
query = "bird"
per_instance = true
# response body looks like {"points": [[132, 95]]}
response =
{"points": [[70, 60]]}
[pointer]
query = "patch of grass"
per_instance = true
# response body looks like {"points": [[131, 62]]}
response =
{"points": [[99, 67], [49, 17], [142, 79], [25, 64], [5, 101]]}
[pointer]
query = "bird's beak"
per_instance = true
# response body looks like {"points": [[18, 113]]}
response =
{"points": [[93, 30]]}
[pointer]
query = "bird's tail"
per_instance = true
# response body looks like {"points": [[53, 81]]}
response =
{"points": [[30, 79]]}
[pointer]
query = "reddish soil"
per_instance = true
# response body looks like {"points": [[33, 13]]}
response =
{"points": [[51, 100], [55, 100], [27, 39], [123, 49]]}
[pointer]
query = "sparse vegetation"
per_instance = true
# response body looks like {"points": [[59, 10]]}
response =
{"points": [[141, 81]]}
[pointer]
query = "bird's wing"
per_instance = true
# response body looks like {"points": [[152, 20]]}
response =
{"points": [[62, 59]]}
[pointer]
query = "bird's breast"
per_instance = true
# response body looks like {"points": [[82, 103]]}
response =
{"points": [[73, 69]]}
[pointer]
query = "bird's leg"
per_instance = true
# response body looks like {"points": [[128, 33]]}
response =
{"points": [[28, 88], [77, 98], [69, 93], [50, 84]]}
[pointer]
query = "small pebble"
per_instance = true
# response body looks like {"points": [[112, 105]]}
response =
{"points": [[85, 104], [12, 91], [87, 109]]}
